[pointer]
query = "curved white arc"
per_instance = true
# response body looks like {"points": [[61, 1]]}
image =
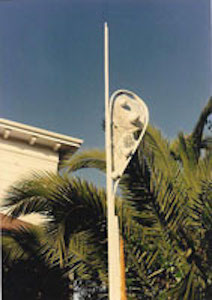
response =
{"points": [[146, 120]]}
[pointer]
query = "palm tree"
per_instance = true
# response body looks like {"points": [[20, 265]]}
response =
{"points": [[165, 216], [76, 222], [27, 274], [167, 204]]}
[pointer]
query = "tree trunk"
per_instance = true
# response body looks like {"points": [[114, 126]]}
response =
{"points": [[122, 263]]}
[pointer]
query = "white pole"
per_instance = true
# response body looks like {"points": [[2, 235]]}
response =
{"points": [[112, 225]]}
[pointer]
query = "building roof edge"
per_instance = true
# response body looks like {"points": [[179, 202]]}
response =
{"points": [[41, 133]]}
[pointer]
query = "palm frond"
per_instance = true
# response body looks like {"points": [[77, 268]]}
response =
{"points": [[199, 127], [93, 158]]}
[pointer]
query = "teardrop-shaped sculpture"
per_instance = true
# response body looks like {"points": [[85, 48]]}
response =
{"points": [[129, 120]]}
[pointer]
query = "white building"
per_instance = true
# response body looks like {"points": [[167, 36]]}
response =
{"points": [[25, 149]]}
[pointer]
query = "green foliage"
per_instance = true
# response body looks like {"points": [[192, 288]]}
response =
{"points": [[165, 213], [87, 159], [26, 272], [76, 226], [169, 192]]}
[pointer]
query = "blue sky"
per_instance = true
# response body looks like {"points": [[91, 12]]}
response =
{"points": [[51, 62]]}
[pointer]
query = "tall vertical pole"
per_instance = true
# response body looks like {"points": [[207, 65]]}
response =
{"points": [[112, 225]]}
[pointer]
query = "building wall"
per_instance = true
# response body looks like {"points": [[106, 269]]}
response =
{"points": [[19, 160]]}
